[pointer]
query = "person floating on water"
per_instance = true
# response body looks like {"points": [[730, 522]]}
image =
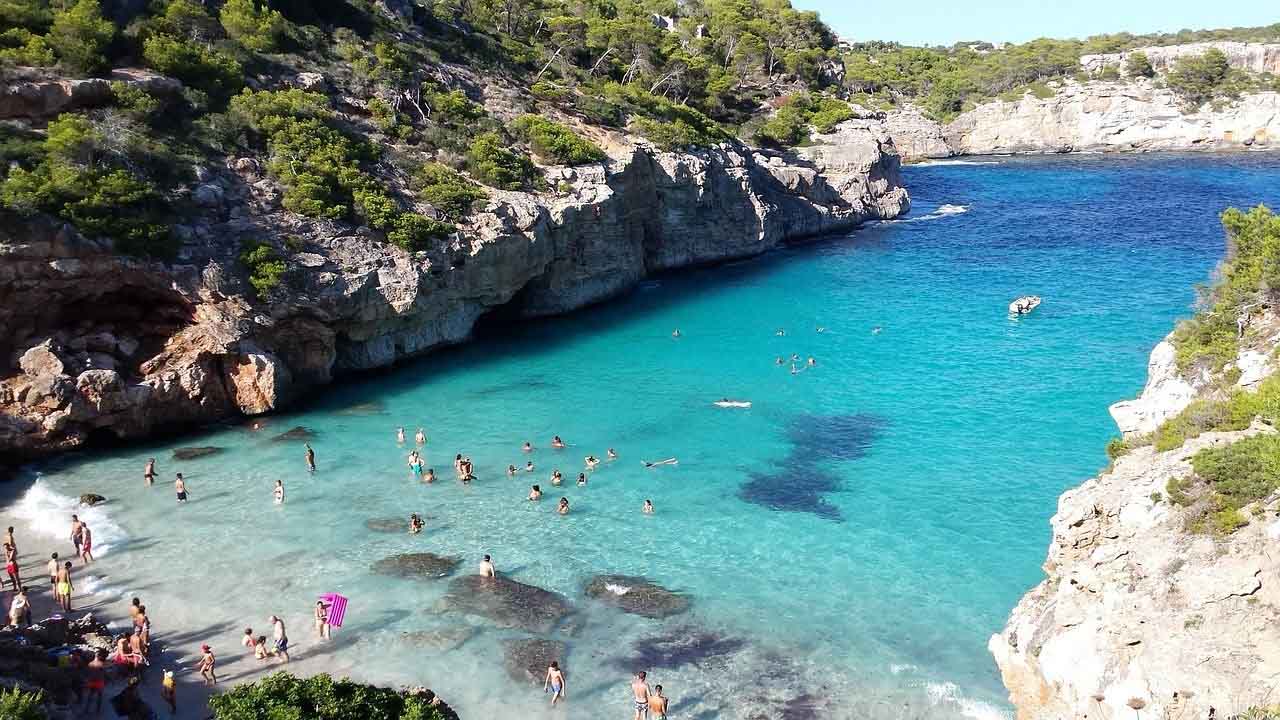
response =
{"points": [[400, 435], [528, 466], [592, 461], [812, 362], [582, 479], [779, 361], [527, 447], [277, 494], [611, 455], [511, 471], [563, 506], [556, 477], [668, 461], [648, 507], [675, 333], [311, 457], [781, 332], [876, 330], [415, 524], [535, 493], [557, 443]]}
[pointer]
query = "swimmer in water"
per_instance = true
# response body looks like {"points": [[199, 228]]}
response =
{"points": [[611, 455], [528, 447], [431, 475], [557, 443], [675, 333], [648, 507], [794, 369], [278, 492], [563, 506], [781, 332], [820, 329], [180, 487], [486, 568], [149, 472], [311, 457], [400, 435], [415, 524], [582, 479], [592, 461], [528, 467], [779, 361], [420, 437], [511, 471], [795, 357], [535, 493], [812, 362], [555, 477], [668, 461], [875, 330]]}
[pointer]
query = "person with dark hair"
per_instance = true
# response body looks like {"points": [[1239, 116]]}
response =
{"points": [[554, 682], [95, 679], [640, 695], [535, 493], [486, 568], [657, 704], [563, 506]]}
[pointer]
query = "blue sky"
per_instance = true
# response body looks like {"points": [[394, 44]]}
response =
{"points": [[942, 22]]}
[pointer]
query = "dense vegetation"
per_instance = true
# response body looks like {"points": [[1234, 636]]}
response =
{"points": [[948, 80], [319, 697], [17, 704]]}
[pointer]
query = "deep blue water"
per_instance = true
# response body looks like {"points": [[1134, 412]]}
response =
{"points": [[856, 535]]}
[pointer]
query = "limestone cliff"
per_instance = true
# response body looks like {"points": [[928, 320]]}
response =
{"points": [[97, 344]]}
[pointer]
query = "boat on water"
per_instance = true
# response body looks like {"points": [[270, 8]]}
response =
{"points": [[1024, 304]]}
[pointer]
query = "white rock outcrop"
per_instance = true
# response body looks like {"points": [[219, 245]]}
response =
{"points": [[1166, 394], [1253, 57]]}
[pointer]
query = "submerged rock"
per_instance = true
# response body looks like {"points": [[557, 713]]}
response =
{"points": [[416, 565], [442, 639], [297, 432], [388, 524], [91, 499], [637, 595], [373, 407], [507, 602], [685, 645], [191, 453], [526, 660]]}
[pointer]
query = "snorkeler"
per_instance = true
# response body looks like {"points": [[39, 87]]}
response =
{"points": [[582, 479], [611, 455]]}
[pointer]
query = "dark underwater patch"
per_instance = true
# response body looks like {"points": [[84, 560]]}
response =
{"points": [[681, 646]]}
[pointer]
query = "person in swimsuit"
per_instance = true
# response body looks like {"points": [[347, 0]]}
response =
{"points": [[528, 447], [648, 507], [206, 665], [555, 477], [528, 467], [535, 493], [675, 333], [135, 607], [125, 656], [247, 640], [657, 704], [311, 457], [281, 639], [53, 571], [486, 568], [20, 609], [11, 566], [430, 476], [415, 524], [420, 437], [86, 544], [169, 692], [780, 332], [592, 461], [557, 443], [95, 679], [180, 487], [640, 695], [260, 651], [812, 362], [582, 479], [511, 471], [322, 620], [457, 464], [611, 455], [11, 540], [277, 494], [400, 435], [563, 506], [75, 532], [64, 587], [149, 472], [554, 682], [142, 630]]}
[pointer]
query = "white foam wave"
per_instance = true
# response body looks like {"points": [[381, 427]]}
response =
{"points": [[942, 211], [947, 693], [48, 515], [96, 585], [899, 668], [942, 163], [617, 589]]}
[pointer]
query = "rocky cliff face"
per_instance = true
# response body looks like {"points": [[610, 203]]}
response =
{"points": [[1254, 57], [1139, 618], [95, 344], [1106, 116]]}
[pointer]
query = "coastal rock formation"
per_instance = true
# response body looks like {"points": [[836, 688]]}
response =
{"points": [[1166, 394], [33, 95], [526, 660], [508, 603], [1253, 57], [637, 595], [1137, 612], [100, 345], [416, 565], [191, 453], [915, 136], [91, 499]]}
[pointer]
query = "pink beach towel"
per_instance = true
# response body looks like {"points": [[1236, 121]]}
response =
{"points": [[337, 608]]}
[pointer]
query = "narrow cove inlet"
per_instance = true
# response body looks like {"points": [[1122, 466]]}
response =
{"points": [[843, 547]]}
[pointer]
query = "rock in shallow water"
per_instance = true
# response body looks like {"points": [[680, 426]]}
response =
{"points": [[91, 499], [686, 645], [507, 603], [526, 660], [295, 433], [440, 640], [637, 595], [388, 524], [416, 565], [191, 453]]}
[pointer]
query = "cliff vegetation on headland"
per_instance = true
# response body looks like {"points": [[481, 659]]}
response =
{"points": [[1162, 592], [211, 207]]}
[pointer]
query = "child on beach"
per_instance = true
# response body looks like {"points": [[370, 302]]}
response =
{"points": [[248, 640], [86, 544], [260, 648], [554, 682], [206, 664], [169, 692]]}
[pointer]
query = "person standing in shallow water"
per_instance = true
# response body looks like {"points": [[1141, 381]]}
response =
{"points": [[322, 620], [640, 695], [180, 488], [281, 639], [554, 682], [86, 544], [277, 493], [149, 472], [311, 457], [486, 568], [75, 529], [657, 704]]}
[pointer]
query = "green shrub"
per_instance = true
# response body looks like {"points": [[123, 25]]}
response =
{"points": [[789, 126], [1200, 78], [666, 124], [197, 65], [255, 28], [378, 209], [1241, 472], [135, 101], [1116, 448], [19, 46], [33, 15], [828, 113], [550, 91], [17, 704], [1178, 490], [553, 141], [447, 190], [1043, 92], [452, 107], [1137, 64], [1109, 72], [21, 146], [266, 267], [384, 116], [80, 36], [282, 696], [415, 232], [492, 163]]}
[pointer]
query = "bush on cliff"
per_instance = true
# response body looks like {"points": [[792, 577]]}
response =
{"points": [[447, 190], [80, 36], [266, 267], [282, 696], [1235, 476], [554, 142], [256, 28], [491, 162], [16, 704], [1250, 274], [197, 65], [1137, 64], [1197, 79]]}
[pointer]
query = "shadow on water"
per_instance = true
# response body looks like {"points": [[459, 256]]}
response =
{"points": [[799, 482]]}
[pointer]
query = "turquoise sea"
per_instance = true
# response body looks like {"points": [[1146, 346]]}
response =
{"points": [[849, 542]]}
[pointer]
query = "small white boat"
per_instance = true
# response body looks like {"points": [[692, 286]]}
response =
{"points": [[1024, 304]]}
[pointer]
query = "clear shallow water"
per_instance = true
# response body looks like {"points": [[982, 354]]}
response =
{"points": [[854, 537]]}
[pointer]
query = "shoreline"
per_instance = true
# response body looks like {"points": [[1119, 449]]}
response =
{"points": [[973, 158]]}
